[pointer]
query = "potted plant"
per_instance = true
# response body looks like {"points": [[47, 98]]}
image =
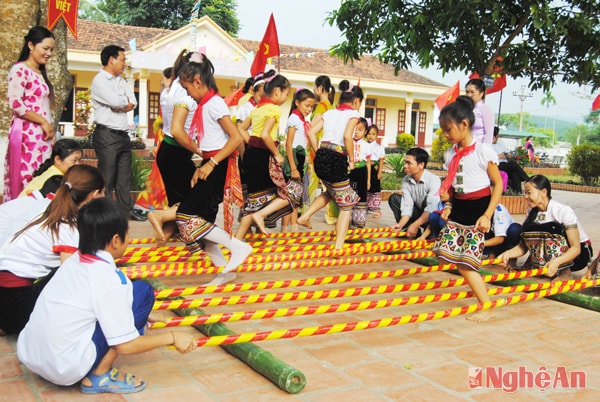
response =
{"points": [[83, 111]]}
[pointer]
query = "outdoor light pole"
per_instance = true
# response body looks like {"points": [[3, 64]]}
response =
{"points": [[522, 95]]}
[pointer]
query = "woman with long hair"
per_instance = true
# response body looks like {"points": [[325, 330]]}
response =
{"points": [[30, 97]]}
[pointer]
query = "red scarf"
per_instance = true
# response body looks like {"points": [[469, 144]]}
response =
{"points": [[252, 101], [344, 106], [197, 121], [453, 167], [303, 120], [265, 101]]}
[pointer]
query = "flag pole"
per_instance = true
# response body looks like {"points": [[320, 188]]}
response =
{"points": [[499, 107]]}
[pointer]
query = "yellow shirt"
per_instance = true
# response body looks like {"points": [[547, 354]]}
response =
{"points": [[38, 182], [259, 116], [320, 109]]}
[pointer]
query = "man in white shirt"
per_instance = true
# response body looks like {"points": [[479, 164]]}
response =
{"points": [[419, 194], [113, 98]]}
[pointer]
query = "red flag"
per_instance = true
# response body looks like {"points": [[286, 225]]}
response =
{"points": [[449, 96], [596, 103], [65, 9], [269, 47], [499, 83], [233, 98]]}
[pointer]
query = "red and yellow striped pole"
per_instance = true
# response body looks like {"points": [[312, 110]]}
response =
{"points": [[387, 322]]}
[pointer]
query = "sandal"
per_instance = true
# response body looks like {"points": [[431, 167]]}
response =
{"points": [[108, 383]]}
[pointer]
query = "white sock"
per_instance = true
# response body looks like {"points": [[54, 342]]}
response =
{"points": [[239, 252]]}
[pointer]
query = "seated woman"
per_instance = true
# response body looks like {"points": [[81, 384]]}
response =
{"points": [[551, 234], [47, 178]]}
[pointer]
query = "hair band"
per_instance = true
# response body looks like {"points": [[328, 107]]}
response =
{"points": [[258, 82], [197, 57], [68, 185], [350, 89], [269, 79], [298, 89]]}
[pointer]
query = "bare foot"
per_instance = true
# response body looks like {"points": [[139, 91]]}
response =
{"points": [[563, 275], [304, 222], [157, 229], [260, 223], [481, 316]]}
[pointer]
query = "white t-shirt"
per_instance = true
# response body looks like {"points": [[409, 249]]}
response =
{"points": [[214, 136], [35, 252], [244, 111], [17, 213], [377, 151], [57, 342], [363, 149], [557, 212], [501, 220], [334, 125], [299, 136], [177, 97], [472, 172]]}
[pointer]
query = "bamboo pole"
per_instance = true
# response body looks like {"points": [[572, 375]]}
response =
{"points": [[286, 377]]}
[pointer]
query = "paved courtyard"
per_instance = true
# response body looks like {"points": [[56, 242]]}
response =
{"points": [[424, 361]]}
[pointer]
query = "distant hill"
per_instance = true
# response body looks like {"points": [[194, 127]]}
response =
{"points": [[560, 126]]}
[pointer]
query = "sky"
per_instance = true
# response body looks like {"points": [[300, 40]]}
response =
{"points": [[302, 23]]}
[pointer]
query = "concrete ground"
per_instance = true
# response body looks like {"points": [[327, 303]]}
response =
{"points": [[424, 361]]}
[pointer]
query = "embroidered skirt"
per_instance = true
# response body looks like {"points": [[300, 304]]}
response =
{"points": [[332, 168], [460, 244]]}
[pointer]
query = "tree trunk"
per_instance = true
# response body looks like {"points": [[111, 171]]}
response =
{"points": [[18, 16]]}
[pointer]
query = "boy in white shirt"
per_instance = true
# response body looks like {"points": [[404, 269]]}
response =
{"points": [[90, 312]]}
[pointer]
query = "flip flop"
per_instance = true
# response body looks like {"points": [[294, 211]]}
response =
{"points": [[108, 383]]}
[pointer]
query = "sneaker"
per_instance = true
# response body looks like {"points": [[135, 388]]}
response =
{"points": [[136, 215]]}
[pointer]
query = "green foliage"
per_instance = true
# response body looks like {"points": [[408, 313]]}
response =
{"points": [[139, 172], [390, 181], [404, 142], [167, 14], [584, 161], [467, 36], [396, 162], [521, 156], [439, 146]]}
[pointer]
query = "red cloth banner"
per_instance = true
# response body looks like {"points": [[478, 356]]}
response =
{"points": [[596, 103], [499, 83], [269, 47], [449, 96], [67, 9]]}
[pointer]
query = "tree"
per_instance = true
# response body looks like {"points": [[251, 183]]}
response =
{"points": [[512, 120], [169, 14], [541, 41], [577, 135], [547, 100]]}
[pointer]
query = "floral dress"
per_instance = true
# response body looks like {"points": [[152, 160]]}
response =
{"points": [[27, 149]]}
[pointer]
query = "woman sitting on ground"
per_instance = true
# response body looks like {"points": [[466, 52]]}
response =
{"points": [[551, 233]]}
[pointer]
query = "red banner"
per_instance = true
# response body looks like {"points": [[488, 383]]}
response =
{"points": [[448, 96], [596, 103], [269, 47], [67, 9]]}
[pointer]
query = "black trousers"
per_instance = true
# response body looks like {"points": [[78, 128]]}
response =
{"points": [[515, 174], [114, 161]]}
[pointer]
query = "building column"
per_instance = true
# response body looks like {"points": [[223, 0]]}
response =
{"points": [[143, 106], [408, 124]]}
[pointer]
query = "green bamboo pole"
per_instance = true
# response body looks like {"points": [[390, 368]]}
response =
{"points": [[286, 377], [578, 299]]}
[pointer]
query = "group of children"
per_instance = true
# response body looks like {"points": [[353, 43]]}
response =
{"points": [[278, 176]]}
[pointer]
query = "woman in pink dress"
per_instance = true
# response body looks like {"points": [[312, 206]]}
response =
{"points": [[30, 95]]}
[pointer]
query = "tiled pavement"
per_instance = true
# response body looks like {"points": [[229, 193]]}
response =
{"points": [[427, 361]]}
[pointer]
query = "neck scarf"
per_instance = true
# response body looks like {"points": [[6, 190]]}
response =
{"points": [[265, 101], [303, 120], [453, 167], [197, 121], [344, 106]]}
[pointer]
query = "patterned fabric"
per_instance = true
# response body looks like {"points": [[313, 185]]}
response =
{"points": [[192, 229], [154, 196], [233, 193], [460, 245], [359, 215], [258, 200], [374, 202], [545, 242], [27, 149], [332, 168], [289, 190]]}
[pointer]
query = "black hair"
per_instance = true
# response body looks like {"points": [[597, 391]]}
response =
{"points": [[168, 72], [373, 126], [51, 185], [364, 122], [529, 137], [325, 82], [98, 221], [540, 182], [37, 35], [204, 69], [181, 60], [300, 96], [459, 110], [274, 80], [420, 155], [247, 85], [108, 52], [496, 131], [477, 83], [348, 93], [63, 148]]}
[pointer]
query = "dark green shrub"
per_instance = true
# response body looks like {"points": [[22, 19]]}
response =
{"points": [[584, 161], [396, 163]]}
